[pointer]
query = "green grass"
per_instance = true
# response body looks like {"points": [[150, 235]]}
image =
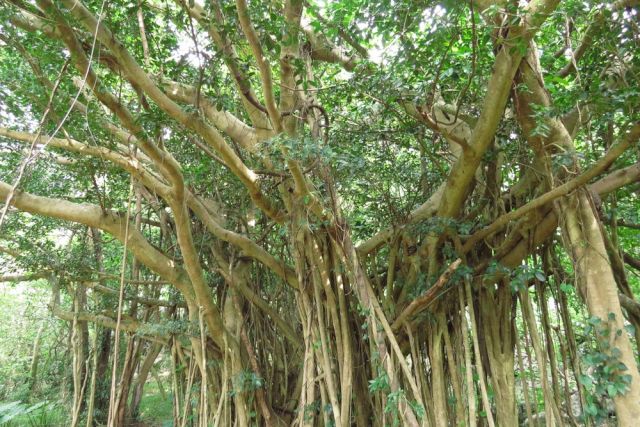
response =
{"points": [[154, 410], [42, 414]]}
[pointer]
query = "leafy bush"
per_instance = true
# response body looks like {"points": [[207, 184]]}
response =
{"points": [[41, 414]]}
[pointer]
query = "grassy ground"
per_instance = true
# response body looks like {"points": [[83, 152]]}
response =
{"points": [[154, 410], [43, 414]]}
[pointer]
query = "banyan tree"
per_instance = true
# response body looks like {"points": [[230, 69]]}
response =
{"points": [[367, 213]]}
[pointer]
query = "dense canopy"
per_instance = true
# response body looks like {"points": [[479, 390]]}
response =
{"points": [[292, 212]]}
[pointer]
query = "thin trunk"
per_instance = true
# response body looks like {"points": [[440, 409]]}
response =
{"points": [[436, 359], [143, 374], [35, 358], [496, 307], [552, 414], [551, 354], [471, 391], [132, 356], [94, 378], [525, 384], [476, 347], [78, 348]]}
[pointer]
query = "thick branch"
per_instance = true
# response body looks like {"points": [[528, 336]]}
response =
{"points": [[263, 64], [211, 22], [23, 277], [422, 302], [590, 34], [250, 248], [498, 89], [599, 167], [617, 179], [109, 221], [129, 164], [163, 160], [210, 135], [631, 261], [127, 324], [228, 123], [323, 50]]}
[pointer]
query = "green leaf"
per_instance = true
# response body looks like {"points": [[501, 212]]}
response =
{"points": [[586, 381], [566, 288]]}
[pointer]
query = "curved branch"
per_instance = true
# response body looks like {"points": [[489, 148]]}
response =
{"points": [[163, 160], [237, 130], [600, 166], [190, 121], [109, 221], [323, 50], [129, 164], [504, 69], [128, 325], [250, 248], [590, 34], [132, 166], [263, 64], [256, 112]]}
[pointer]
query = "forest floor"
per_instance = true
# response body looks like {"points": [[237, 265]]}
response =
{"points": [[155, 409]]}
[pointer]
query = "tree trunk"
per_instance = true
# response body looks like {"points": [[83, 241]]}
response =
{"points": [[35, 358], [598, 288], [141, 379]]}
